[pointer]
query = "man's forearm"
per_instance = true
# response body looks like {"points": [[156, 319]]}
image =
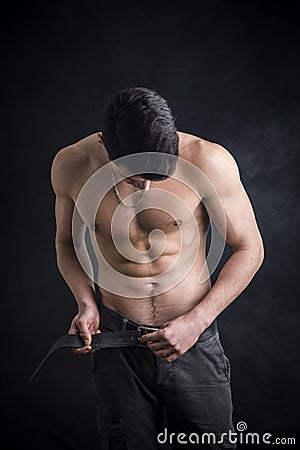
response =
{"points": [[74, 275], [231, 282]]}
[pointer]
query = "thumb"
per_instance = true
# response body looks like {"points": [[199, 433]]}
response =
{"points": [[85, 334]]}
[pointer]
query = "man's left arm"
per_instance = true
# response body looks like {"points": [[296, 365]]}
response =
{"points": [[242, 235]]}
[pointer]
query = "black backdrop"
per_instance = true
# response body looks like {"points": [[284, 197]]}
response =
{"points": [[231, 74]]}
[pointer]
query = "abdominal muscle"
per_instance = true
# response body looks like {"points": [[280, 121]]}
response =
{"points": [[167, 298]]}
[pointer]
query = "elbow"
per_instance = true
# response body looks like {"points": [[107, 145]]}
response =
{"points": [[259, 253], [261, 257], [254, 253]]}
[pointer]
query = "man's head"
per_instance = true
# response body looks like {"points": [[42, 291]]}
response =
{"points": [[137, 120]]}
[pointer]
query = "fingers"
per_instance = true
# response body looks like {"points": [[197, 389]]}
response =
{"points": [[168, 354], [84, 332], [85, 323], [154, 336], [170, 357], [86, 348], [163, 350], [73, 330], [157, 345], [162, 344], [95, 349], [83, 350], [87, 339]]}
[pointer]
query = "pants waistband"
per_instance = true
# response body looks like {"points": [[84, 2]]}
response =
{"points": [[113, 320]]}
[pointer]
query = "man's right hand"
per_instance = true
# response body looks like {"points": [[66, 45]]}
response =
{"points": [[86, 322]]}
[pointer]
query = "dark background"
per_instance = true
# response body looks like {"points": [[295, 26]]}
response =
{"points": [[230, 72]]}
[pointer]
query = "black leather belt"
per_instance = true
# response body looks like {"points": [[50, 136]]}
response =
{"points": [[102, 340], [117, 330]]}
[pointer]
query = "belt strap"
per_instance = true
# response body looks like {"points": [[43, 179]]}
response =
{"points": [[101, 340]]}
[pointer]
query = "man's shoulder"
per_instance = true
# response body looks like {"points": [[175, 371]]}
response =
{"points": [[204, 153], [76, 153], [74, 163]]}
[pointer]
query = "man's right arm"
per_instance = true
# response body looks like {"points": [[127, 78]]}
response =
{"points": [[86, 322]]}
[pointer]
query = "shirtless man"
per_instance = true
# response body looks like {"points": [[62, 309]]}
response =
{"points": [[179, 377]]}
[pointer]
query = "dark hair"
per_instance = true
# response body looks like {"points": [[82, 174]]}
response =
{"points": [[139, 120]]}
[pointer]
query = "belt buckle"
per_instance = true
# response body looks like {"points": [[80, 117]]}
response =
{"points": [[146, 330]]}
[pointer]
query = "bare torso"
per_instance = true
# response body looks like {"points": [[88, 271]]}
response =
{"points": [[156, 307]]}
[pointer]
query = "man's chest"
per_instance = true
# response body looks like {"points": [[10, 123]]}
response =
{"points": [[167, 211]]}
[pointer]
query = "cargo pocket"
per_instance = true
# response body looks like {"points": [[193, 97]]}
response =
{"points": [[226, 362], [112, 433], [228, 367]]}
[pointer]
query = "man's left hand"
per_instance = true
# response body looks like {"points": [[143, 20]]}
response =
{"points": [[174, 338]]}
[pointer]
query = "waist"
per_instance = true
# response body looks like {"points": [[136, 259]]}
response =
{"points": [[112, 320]]}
